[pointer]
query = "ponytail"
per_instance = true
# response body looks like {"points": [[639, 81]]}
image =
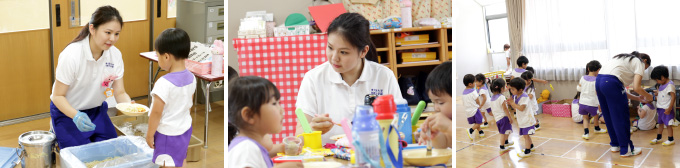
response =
{"points": [[84, 32], [635, 54]]}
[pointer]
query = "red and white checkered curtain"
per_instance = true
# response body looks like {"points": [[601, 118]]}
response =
{"points": [[284, 61]]}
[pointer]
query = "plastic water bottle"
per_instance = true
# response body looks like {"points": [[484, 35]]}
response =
{"points": [[366, 132], [384, 107], [404, 114], [406, 17]]}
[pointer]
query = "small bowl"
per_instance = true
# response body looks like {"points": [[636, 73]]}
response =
{"points": [[416, 157], [121, 107]]}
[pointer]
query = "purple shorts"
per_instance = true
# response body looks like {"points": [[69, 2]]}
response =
{"points": [[504, 126], [587, 110], [171, 150], [665, 119], [476, 119], [527, 131]]}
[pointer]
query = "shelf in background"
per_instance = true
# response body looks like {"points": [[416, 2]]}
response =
{"points": [[381, 31], [381, 49], [419, 63], [418, 46], [450, 44], [412, 29]]}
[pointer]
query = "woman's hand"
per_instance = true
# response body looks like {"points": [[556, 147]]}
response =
{"points": [[321, 123]]}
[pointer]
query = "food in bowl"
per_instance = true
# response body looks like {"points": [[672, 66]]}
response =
{"points": [[132, 109]]}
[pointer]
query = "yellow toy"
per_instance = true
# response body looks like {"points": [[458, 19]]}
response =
{"points": [[544, 96]]}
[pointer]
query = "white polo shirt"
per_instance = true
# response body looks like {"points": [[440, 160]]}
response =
{"points": [[497, 106], [77, 68], [663, 100], [517, 72], [483, 91], [624, 69], [649, 121], [587, 88], [524, 118], [323, 91], [469, 103], [176, 90]]}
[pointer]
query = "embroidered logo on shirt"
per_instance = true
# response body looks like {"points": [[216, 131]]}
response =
{"points": [[378, 92], [110, 65]]}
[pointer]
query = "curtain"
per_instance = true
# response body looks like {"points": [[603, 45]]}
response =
{"points": [[516, 17], [561, 37]]}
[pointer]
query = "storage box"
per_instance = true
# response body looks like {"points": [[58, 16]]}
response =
{"points": [[193, 152], [132, 152], [291, 30], [418, 56], [418, 38], [202, 68], [8, 157], [558, 108]]}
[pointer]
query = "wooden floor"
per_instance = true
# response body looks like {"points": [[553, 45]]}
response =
{"points": [[558, 144], [211, 157]]}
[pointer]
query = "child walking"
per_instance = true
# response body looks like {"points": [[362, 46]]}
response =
{"points": [[588, 104], [525, 118], [255, 111], [170, 120], [664, 104], [471, 104], [530, 90], [483, 92], [502, 114]]}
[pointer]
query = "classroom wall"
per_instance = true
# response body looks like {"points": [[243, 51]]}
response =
{"points": [[37, 11], [470, 42], [280, 9]]}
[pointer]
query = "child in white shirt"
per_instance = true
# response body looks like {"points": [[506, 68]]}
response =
{"points": [[471, 105], [664, 103], [648, 119], [483, 92], [502, 114], [525, 118], [588, 103]]}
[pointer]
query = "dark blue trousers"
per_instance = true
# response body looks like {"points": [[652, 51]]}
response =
{"points": [[614, 104]]}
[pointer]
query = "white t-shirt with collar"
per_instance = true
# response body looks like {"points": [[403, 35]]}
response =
{"points": [[663, 100], [77, 68], [624, 68], [470, 98], [587, 89], [176, 90], [525, 118], [323, 91]]}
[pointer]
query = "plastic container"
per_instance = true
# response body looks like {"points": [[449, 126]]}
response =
{"points": [[202, 68], [130, 152], [8, 157], [404, 114], [367, 133], [384, 107], [406, 18]]}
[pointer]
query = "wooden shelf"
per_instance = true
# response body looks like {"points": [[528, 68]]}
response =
{"points": [[418, 46], [381, 49], [450, 44], [419, 63], [412, 29], [381, 31]]}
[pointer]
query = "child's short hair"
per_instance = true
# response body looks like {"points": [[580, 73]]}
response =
{"points": [[232, 73], [506, 46], [531, 69], [593, 66], [251, 92], [439, 80], [658, 72], [522, 60], [480, 77], [174, 41], [468, 79], [497, 85], [517, 83]]}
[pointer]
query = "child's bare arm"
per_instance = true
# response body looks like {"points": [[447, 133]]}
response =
{"points": [[507, 112], [483, 101], [154, 119], [540, 81], [670, 108], [441, 141], [642, 113]]}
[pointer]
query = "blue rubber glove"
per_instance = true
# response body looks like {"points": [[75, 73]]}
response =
{"points": [[83, 122]]}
